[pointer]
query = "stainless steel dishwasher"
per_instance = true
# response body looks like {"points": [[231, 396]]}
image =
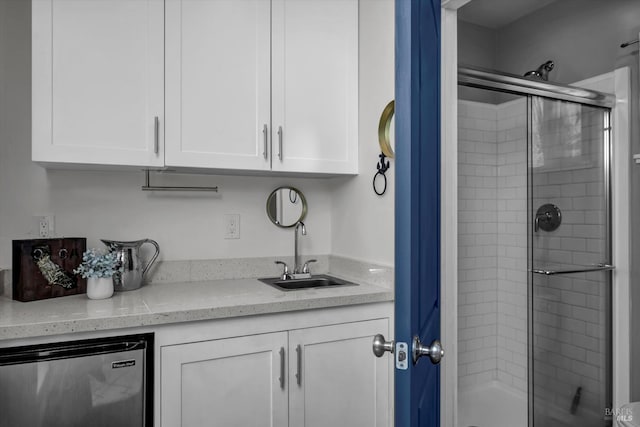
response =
{"points": [[100, 383]]}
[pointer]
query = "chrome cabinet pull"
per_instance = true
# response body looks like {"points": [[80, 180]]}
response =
{"points": [[299, 371], [280, 142], [281, 379], [265, 132], [156, 136]]}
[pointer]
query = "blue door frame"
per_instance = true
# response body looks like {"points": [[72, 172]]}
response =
{"points": [[417, 206]]}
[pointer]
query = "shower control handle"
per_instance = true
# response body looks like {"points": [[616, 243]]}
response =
{"points": [[548, 218]]}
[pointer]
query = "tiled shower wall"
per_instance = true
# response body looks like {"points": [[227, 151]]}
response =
{"points": [[512, 244], [570, 328], [477, 243], [492, 243]]}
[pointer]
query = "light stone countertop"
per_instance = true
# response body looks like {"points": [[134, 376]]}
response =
{"points": [[162, 303]]}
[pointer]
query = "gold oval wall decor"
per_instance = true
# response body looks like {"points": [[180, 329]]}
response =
{"points": [[383, 129]]}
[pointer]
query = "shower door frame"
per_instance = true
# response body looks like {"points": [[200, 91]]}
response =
{"points": [[620, 82]]}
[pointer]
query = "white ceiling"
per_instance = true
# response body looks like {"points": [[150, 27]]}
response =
{"points": [[498, 13]]}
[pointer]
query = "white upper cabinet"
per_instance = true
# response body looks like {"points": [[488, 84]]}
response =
{"points": [[98, 75], [243, 85], [315, 86], [218, 84]]}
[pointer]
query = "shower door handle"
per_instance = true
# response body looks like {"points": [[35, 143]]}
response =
{"points": [[586, 269]]}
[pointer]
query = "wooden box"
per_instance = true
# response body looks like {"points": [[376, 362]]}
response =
{"points": [[43, 268]]}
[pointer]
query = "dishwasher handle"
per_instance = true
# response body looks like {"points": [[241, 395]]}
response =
{"points": [[56, 351]]}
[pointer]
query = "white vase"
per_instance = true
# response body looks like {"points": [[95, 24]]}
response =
{"points": [[99, 287]]}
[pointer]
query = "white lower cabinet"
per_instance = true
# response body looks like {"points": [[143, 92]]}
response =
{"points": [[334, 378], [228, 382], [318, 376]]}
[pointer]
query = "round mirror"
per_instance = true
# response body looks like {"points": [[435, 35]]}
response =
{"points": [[286, 206]]}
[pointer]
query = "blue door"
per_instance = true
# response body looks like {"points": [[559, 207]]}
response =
{"points": [[417, 212]]}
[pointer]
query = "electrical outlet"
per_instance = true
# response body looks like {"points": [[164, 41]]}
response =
{"points": [[232, 226], [46, 226]]}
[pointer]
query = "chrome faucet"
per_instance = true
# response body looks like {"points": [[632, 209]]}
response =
{"points": [[296, 256], [300, 271]]}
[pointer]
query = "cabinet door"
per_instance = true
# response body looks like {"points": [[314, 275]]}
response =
{"points": [[334, 378], [98, 81], [315, 86], [218, 84], [228, 382]]}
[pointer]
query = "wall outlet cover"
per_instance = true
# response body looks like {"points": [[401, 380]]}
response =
{"points": [[45, 226], [232, 226]]}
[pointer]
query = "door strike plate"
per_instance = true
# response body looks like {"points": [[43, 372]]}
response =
{"points": [[402, 356]]}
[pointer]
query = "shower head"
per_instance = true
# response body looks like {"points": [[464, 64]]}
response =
{"points": [[542, 73]]}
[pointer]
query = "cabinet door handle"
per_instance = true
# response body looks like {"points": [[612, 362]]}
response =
{"points": [[299, 371], [280, 142], [156, 134], [281, 379], [265, 132]]}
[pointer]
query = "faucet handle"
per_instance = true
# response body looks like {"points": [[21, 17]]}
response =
{"points": [[305, 267], [285, 271]]}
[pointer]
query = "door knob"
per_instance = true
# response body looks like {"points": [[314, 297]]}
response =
{"points": [[380, 345], [434, 351]]}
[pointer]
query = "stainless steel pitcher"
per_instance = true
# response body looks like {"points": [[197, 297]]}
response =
{"points": [[128, 254]]}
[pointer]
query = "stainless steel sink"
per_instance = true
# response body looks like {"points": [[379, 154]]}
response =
{"points": [[316, 281]]}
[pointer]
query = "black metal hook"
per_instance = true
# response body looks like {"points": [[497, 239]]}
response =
{"points": [[382, 167]]}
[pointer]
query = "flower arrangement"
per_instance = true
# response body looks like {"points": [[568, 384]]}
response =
{"points": [[98, 264]]}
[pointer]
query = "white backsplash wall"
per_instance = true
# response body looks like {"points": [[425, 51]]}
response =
{"points": [[187, 226]]}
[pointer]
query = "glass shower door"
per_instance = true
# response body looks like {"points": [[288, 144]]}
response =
{"points": [[569, 257]]}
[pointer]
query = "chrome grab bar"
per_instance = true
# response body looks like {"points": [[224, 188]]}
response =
{"points": [[586, 269]]}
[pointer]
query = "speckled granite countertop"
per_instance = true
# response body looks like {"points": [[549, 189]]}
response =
{"points": [[164, 303]]}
